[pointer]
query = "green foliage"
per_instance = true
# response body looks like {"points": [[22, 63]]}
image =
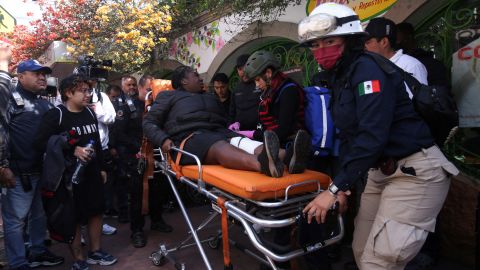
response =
{"points": [[246, 11]]}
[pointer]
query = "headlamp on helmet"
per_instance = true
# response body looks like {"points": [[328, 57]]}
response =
{"points": [[320, 25]]}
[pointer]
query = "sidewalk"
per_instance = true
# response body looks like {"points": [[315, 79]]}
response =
{"points": [[138, 259]]}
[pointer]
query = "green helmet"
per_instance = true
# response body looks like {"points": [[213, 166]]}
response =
{"points": [[258, 62]]}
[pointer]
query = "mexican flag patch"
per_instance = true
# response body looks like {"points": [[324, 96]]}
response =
{"points": [[369, 87]]}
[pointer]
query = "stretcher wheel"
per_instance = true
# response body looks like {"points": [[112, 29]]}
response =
{"points": [[214, 243], [158, 259]]}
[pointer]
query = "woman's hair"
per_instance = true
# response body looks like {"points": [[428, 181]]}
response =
{"points": [[179, 74], [69, 83], [354, 45]]}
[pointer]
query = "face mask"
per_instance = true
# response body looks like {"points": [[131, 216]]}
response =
{"points": [[327, 57]]}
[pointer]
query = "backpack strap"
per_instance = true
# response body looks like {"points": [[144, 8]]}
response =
{"points": [[285, 86], [61, 114]]}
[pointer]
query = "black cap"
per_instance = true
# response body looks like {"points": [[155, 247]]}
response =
{"points": [[242, 60], [382, 27]]}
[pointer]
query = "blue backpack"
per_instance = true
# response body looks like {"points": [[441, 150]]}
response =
{"points": [[319, 122]]}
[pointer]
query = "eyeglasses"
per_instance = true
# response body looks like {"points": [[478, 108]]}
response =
{"points": [[85, 91]]}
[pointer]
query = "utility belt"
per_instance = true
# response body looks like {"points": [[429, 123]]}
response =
{"points": [[388, 165]]}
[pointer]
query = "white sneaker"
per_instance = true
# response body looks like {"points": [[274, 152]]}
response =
{"points": [[108, 230]]}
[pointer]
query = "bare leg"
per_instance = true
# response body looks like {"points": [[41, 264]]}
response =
{"points": [[229, 156], [95, 232], [76, 246]]}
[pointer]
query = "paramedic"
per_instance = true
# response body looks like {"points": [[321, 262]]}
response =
{"points": [[408, 176]]}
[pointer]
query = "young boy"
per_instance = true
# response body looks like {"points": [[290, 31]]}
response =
{"points": [[81, 123]]}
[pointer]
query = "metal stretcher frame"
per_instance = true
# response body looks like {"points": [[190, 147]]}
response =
{"points": [[233, 206]]}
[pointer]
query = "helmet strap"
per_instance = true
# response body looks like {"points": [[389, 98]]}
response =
{"points": [[344, 20]]}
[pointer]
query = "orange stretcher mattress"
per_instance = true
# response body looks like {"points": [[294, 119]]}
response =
{"points": [[253, 185]]}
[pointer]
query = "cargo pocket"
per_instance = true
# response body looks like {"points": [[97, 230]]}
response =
{"points": [[396, 242]]}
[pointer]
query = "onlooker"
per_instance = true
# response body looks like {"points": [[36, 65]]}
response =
{"points": [[437, 72], [220, 87], [382, 39], [244, 100], [156, 189], [74, 116], [102, 106], [113, 91], [20, 167], [128, 133]]}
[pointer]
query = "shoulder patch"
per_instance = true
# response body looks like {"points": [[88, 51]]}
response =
{"points": [[119, 113], [368, 87]]}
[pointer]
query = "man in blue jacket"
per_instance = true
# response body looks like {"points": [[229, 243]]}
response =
{"points": [[20, 168]]}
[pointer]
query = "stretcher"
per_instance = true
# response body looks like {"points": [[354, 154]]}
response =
{"points": [[247, 198]]}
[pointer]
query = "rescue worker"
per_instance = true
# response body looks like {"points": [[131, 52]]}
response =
{"points": [[281, 106], [128, 134], [408, 176], [243, 111]]}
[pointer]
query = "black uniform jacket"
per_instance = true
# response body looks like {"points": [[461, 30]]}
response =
{"points": [[375, 118], [176, 114]]}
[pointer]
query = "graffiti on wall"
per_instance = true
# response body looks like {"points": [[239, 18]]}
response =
{"points": [[207, 37]]}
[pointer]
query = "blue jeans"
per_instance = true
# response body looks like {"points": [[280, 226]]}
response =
{"points": [[18, 207]]}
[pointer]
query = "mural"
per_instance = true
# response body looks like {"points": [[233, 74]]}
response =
{"points": [[207, 37]]}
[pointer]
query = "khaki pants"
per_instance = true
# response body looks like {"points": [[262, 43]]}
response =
{"points": [[397, 211]]}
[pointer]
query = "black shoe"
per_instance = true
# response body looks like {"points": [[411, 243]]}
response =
{"points": [[270, 163], [139, 240], [161, 226], [45, 259], [296, 156]]}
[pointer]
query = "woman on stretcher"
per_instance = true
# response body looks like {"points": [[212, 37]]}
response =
{"points": [[188, 111]]}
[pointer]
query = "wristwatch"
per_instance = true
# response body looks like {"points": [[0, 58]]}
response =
{"points": [[333, 189]]}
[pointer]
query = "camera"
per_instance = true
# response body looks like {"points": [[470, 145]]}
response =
{"points": [[93, 68]]}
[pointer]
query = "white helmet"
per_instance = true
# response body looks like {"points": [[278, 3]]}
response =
{"points": [[329, 19]]}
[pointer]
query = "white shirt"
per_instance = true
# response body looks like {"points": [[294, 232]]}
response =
{"points": [[106, 116], [412, 66]]}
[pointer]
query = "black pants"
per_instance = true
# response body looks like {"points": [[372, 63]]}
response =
{"points": [[157, 195]]}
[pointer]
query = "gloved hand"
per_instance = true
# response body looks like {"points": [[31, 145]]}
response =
{"points": [[246, 133], [235, 126]]}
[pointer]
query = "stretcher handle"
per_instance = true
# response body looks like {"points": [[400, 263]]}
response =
{"points": [[308, 182], [200, 182]]}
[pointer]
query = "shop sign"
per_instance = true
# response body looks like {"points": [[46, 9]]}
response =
{"points": [[366, 9], [465, 83], [7, 21]]}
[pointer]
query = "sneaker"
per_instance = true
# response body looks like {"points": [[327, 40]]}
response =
{"points": [[296, 156], [45, 259], [270, 163], [138, 239], [108, 230], [161, 226], [100, 257], [80, 265]]}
